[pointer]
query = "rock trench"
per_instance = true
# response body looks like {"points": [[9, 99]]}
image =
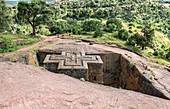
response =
{"points": [[117, 70]]}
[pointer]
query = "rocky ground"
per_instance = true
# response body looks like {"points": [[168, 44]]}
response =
{"points": [[157, 74], [24, 86], [29, 87]]}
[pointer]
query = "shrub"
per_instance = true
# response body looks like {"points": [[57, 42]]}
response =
{"points": [[131, 41], [59, 27], [132, 24], [137, 39], [116, 22], [6, 45], [4, 42], [110, 28], [139, 27], [130, 31], [123, 34], [130, 27], [156, 53], [91, 25], [43, 30], [98, 33], [168, 54]]}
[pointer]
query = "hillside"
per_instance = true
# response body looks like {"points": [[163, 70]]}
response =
{"points": [[14, 2]]}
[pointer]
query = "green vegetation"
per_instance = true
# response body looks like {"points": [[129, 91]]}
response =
{"points": [[10, 43], [141, 25], [35, 13], [5, 17]]}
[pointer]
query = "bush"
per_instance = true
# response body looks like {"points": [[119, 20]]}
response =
{"points": [[168, 54], [43, 30], [110, 28], [156, 53], [59, 27], [116, 22], [131, 41], [123, 34], [6, 45], [130, 31], [91, 25], [131, 24], [130, 27], [4, 42], [115, 34], [77, 30], [137, 39], [98, 33], [139, 27]]}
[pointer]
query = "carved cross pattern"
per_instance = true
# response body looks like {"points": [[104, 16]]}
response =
{"points": [[72, 60]]}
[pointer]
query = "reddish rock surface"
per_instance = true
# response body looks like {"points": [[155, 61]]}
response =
{"points": [[29, 87]]}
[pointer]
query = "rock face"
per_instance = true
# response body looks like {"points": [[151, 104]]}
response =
{"points": [[133, 79], [24, 87], [121, 68], [116, 70]]}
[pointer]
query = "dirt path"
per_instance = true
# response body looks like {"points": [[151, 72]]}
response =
{"points": [[47, 40]]}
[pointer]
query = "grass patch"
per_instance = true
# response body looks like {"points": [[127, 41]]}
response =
{"points": [[160, 61], [9, 42], [110, 39]]}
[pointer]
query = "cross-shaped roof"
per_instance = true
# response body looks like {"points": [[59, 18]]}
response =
{"points": [[73, 60]]}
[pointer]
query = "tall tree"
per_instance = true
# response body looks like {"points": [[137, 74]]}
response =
{"points": [[149, 33], [5, 17], [34, 13]]}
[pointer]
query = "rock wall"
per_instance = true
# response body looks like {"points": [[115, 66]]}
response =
{"points": [[131, 78], [121, 73], [111, 68], [41, 56], [21, 57], [95, 72]]}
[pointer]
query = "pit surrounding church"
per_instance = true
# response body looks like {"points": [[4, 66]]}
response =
{"points": [[96, 65]]}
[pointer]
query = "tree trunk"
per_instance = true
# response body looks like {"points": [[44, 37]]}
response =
{"points": [[33, 27], [143, 47], [33, 30]]}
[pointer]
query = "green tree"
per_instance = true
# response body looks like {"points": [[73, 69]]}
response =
{"points": [[5, 17], [110, 27], [123, 34], [149, 34], [59, 27], [91, 25], [34, 13], [137, 39], [116, 22]]}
